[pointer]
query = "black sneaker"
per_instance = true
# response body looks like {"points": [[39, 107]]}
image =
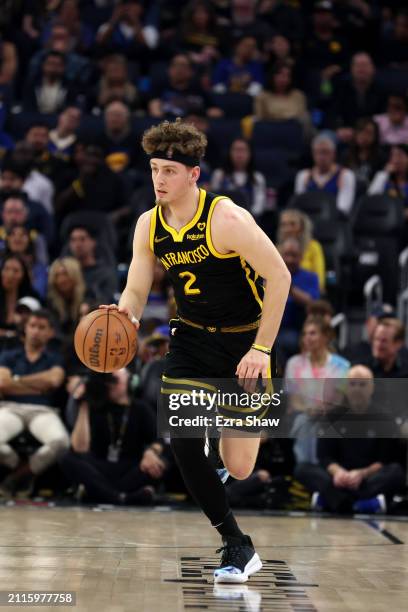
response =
{"points": [[239, 560]]}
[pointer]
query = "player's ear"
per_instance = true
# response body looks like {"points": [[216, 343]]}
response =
{"points": [[195, 174]]}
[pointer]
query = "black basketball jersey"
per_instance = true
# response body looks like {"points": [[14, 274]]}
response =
{"points": [[210, 288]]}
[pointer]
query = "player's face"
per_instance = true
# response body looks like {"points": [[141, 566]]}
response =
{"points": [[171, 181]]}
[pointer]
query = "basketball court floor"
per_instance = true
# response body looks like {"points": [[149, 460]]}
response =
{"points": [[162, 560]]}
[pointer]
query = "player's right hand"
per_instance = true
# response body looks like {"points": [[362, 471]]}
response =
{"points": [[124, 310]]}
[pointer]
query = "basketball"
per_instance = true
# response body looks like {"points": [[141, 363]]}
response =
{"points": [[105, 340]]}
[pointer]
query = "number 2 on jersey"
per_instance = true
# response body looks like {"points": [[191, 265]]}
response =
{"points": [[188, 287]]}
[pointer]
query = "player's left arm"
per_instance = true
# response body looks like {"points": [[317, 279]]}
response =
{"points": [[234, 229]]}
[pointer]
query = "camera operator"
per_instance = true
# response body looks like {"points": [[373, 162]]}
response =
{"points": [[114, 449]]}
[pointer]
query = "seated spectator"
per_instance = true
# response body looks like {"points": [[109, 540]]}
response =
{"points": [[354, 474], [51, 92], [117, 139], [115, 453], [309, 401], [66, 296], [39, 155], [14, 284], [386, 359], [277, 49], [115, 84], [8, 68], [80, 35], [127, 33], [304, 289], [96, 187], [241, 73], [21, 176], [393, 180], [29, 377], [78, 69], [244, 21], [360, 352], [21, 241], [327, 175], [15, 211], [363, 155], [357, 97], [100, 280], [393, 124], [280, 100], [199, 34], [295, 224], [394, 47], [239, 173], [180, 94], [63, 137]]}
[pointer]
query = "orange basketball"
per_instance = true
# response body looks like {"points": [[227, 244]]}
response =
{"points": [[105, 340]]}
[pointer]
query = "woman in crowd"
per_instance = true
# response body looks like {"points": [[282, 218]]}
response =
{"points": [[66, 293], [393, 180], [239, 173], [14, 284], [295, 224], [364, 155], [20, 241]]}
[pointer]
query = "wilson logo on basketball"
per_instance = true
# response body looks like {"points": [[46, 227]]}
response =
{"points": [[95, 348]]}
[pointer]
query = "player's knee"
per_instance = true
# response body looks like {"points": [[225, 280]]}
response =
{"points": [[240, 470]]}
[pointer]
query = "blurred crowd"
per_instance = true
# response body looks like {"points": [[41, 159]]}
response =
{"points": [[305, 107]]}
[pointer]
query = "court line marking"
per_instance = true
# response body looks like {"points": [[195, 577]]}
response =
{"points": [[191, 547], [384, 532]]}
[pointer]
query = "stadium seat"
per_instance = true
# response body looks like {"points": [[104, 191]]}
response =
{"points": [[18, 123], [274, 166], [234, 105], [318, 205], [286, 135], [224, 131]]}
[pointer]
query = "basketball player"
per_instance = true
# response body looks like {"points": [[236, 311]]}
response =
{"points": [[216, 257]]}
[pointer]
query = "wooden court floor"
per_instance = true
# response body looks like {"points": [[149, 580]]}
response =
{"points": [[162, 560]]}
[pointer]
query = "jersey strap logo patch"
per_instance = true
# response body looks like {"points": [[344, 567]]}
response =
{"points": [[201, 226]]}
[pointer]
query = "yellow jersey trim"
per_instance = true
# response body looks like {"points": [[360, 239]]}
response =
{"points": [[210, 243], [179, 235], [152, 231], [185, 381], [251, 282]]}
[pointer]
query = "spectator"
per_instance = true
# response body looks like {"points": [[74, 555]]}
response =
{"points": [[304, 289], [66, 295], [180, 94], [126, 32], [115, 453], [96, 187], [239, 174], [100, 280], [357, 97], [80, 35], [199, 34], [363, 155], [64, 136], [21, 175], [115, 84], [8, 68], [22, 242], [393, 180], [38, 154], [14, 284], [393, 124], [118, 140], [77, 68], [311, 400], [15, 211], [326, 175], [29, 376], [386, 359], [295, 224], [394, 48], [51, 92], [241, 73], [280, 100], [277, 49], [245, 22], [354, 474]]}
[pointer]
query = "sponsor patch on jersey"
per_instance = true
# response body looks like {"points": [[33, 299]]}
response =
{"points": [[194, 236]]}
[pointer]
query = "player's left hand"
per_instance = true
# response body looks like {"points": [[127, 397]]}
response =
{"points": [[253, 365]]}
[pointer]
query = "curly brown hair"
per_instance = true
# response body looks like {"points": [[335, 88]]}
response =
{"points": [[177, 136]]}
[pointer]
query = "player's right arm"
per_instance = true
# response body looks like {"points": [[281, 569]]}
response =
{"points": [[140, 274]]}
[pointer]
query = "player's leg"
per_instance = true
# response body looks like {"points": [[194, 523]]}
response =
{"points": [[239, 452]]}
